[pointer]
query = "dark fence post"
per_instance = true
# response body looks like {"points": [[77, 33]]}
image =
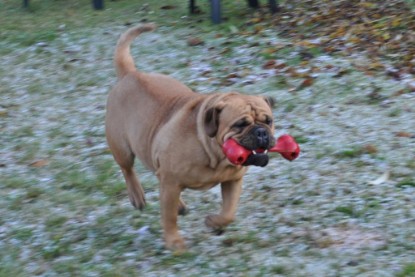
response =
{"points": [[25, 3], [192, 6], [253, 4], [215, 11], [98, 4], [273, 6]]}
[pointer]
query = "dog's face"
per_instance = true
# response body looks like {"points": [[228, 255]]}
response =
{"points": [[246, 119]]}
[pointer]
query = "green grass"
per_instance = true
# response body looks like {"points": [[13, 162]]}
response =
{"points": [[349, 211], [279, 269], [407, 271], [23, 233], [407, 182], [349, 153], [395, 112]]}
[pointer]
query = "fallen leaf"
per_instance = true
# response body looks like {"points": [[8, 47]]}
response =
{"points": [[3, 112], [194, 41], [280, 65], [382, 179], [404, 135], [232, 75], [292, 90], [341, 73], [370, 149], [39, 163], [352, 26], [306, 83], [269, 64]]}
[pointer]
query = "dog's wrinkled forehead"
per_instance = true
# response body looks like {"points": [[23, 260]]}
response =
{"points": [[254, 107]]}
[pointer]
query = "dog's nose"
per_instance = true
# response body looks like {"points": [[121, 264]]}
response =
{"points": [[262, 137]]}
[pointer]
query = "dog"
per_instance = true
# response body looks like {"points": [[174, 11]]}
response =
{"points": [[178, 134]]}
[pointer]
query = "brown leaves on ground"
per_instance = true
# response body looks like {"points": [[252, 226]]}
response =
{"points": [[194, 41], [404, 134], [380, 29], [39, 163]]}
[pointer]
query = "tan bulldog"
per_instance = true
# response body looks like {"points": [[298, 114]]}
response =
{"points": [[178, 134]]}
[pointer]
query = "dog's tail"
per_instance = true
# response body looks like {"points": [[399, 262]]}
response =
{"points": [[123, 60]]}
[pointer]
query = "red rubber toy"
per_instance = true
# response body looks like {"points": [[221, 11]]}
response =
{"points": [[237, 154]]}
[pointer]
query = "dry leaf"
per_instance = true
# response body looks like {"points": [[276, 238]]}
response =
{"points": [[341, 73], [370, 149], [3, 112], [39, 163], [382, 179], [353, 26], [269, 64], [194, 41], [232, 75], [306, 83], [404, 135]]}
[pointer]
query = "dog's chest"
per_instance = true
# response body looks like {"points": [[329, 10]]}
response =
{"points": [[208, 178]]}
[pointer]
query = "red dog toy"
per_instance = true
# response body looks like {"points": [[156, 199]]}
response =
{"points": [[237, 154]]}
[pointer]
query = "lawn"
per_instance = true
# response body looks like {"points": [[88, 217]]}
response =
{"points": [[346, 207]]}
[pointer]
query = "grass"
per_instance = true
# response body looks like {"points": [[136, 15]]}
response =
{"points": [[349, 153], [407, 182], [347, 210], [408, 270]]}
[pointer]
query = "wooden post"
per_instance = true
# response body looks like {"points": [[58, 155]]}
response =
{"points": [[98, 4], [192, 6], [25, 3], [215, 11], [253, 4], [273, 6]]}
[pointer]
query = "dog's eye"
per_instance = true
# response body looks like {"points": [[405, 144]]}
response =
{"points": [[241, 124], [268, 121]]}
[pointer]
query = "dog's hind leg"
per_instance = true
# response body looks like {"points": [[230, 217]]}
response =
{"points": [[125, 159], [134, 188]]}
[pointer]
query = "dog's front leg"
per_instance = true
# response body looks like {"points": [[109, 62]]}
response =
{"points": [[169, 203], [231, 191]]}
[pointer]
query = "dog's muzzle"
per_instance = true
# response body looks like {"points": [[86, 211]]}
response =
{"points": [[259, 140]]}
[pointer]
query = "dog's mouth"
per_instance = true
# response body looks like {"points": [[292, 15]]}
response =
{"points": [[240, 155], [258, 157]]}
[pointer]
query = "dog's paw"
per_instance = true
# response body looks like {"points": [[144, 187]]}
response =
{"points": [[183, 211], [182, 208], [217, 222], [176, 244], [138, 202]]}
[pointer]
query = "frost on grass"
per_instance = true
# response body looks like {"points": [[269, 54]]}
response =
{"points": [[64, 206]]}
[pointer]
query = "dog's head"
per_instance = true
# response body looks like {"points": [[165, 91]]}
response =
{"points": [[245, 118]]}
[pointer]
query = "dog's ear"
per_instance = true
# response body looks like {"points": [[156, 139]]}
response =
{"points": [[212, 121], [270, 100]]}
